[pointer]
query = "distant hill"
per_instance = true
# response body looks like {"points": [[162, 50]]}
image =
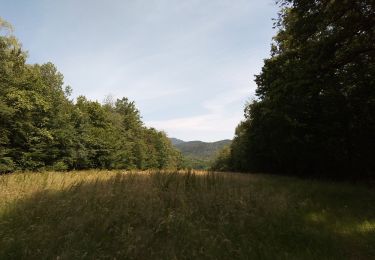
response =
{"points": [[198, 149], [176, 141]]}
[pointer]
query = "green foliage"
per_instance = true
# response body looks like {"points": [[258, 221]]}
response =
{"points": [[315, 112], [60, 166], [196, 163], [42, 129], [223, 160], [6, 165]]}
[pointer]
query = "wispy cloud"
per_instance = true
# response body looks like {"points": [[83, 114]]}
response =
{"points": [[218, 122], [208, 127]]}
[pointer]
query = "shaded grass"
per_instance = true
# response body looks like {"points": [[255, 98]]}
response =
{"points": [[160, 215]]}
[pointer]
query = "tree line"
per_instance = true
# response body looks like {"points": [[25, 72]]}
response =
{"points": [[314, 111], [42, 128]]}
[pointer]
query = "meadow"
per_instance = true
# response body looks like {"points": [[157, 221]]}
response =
{"points": [[183, 215]]}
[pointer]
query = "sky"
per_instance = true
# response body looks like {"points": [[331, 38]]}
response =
{"points": [[189, 65]]}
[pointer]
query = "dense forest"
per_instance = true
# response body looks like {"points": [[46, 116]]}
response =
{"points": [[314, 111], [313, 114], [42, 128]]}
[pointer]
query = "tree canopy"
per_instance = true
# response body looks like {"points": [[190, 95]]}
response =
{"points": [[315, 107]]}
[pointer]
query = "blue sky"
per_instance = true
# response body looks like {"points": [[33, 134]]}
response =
{"points": [[189, 65]]}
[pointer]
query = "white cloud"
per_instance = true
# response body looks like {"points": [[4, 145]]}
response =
{"points": [[209, 127], [217, 123]]}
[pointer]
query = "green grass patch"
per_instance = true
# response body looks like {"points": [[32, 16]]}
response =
{"points": [[159, 215]]}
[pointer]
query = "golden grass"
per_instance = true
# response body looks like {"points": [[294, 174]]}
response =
{"points": [[182, 215]]}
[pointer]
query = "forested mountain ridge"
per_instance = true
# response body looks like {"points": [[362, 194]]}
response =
{"points": [[176, 141], [42, 128], [199, 149]]}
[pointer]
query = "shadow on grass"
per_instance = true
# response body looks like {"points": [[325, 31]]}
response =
{"points": [[184, 216]]}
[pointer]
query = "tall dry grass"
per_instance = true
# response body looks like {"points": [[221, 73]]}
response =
{"points": [[182, 215]]}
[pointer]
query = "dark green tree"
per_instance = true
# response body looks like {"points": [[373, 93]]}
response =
{"points": [[315, 112]]}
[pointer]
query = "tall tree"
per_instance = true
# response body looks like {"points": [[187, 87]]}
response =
{"points": [[315, 112]]}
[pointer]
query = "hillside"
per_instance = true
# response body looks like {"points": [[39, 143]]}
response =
{"points": [[176, 141], [199, 149]]}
